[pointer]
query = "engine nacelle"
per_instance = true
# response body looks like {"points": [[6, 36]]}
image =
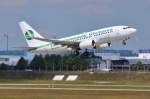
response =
{"points": [[69, 49], [103, 46], [86, 44]]}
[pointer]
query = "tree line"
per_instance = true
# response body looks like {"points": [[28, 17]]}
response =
{"points": [[53, 63], [60, 63]]}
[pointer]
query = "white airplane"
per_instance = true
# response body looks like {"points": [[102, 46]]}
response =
{"points": [[96, 39]]}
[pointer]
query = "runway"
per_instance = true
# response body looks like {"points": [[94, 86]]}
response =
{"points": [[81, 87], [94, 85]]}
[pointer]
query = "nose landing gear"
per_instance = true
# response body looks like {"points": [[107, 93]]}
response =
{"points": [[124, 42]]}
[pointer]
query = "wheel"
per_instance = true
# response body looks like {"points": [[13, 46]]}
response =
{"points": [[77, 52], [93, 44], [124, 42], [86, 53], [109, 44]]}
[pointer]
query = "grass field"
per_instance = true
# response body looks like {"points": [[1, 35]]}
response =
{"points": [[44, 89], [60, 94], [88, 86]]}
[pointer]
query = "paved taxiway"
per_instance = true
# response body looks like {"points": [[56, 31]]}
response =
{"points": [[81, 87]]}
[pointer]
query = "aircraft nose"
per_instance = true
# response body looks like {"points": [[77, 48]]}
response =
{"points": [[133, 30]]}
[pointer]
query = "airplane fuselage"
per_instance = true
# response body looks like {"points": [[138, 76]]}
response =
{"points": [[100, 37]]}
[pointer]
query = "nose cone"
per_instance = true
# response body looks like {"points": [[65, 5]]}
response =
{"points": [[133, 30]]}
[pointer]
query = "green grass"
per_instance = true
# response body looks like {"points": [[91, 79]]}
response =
{"points": [[135, 78], [82, 75], [55, 94]]}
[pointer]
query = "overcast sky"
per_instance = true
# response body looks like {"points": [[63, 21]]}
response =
{"points": [[60, 18]]}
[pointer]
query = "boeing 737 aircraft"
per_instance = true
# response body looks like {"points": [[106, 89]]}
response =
{"points": [[96, 39]]}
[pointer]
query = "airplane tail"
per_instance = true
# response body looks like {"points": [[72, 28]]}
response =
{"points": [[29, 34]]}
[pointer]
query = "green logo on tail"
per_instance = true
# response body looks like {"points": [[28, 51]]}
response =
{"points": [[29, 35]]}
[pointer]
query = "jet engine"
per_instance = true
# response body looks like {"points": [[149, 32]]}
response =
{"points": [[87, 44], [69, 49], [103, 45]]}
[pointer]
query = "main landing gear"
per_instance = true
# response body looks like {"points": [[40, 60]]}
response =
{"points": [[77, 53], [93, 44], [109, 44]]}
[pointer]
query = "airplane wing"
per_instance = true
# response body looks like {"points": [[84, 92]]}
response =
{"points": [[60, 42]]}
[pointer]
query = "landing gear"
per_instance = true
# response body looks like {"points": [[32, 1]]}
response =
{"points": [[94, 47], [86, 53], [93, 44], [124, 42], [77, 52], [109, 44]]}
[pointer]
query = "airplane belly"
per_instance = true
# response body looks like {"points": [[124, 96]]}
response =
{"points": [[58, 50], [104, 39]]}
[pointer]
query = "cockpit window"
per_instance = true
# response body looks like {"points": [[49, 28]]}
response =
{"points": [[126, 27]]}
